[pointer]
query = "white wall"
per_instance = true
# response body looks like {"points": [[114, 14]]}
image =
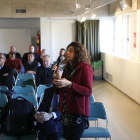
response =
{"points": [[125, 75], [20, 38], [56, 34]]}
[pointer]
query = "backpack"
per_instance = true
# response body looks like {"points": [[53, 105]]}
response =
{"points": [[17, 117]]}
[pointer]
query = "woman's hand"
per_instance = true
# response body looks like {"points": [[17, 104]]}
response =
{"points": [[62, 82], [58, 73]]}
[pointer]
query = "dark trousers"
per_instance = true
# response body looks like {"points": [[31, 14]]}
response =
{"points": [[74, 132], [53, 134]]}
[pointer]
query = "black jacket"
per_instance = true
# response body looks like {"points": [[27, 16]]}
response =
{"points": [[25, 59], [44, 76], [6, 80]]}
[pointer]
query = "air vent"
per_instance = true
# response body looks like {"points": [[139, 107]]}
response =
{"points": [[109, 77], [22, 11]]}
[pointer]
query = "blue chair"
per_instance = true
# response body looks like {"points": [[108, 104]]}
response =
{"points": [[13, 81], [25, 76], [41, 89], [23, 82], [28, 96], [24, 89], [3, 88], [91, 100], [98, 110], [15, 73], [91, 118]]}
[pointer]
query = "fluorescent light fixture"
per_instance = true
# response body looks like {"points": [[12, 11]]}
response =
{"points": [[122, 5]]}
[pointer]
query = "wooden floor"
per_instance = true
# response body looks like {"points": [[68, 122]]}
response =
{"points": [[123, 113]]}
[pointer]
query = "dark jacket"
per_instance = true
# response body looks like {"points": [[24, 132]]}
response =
{"points": [[78, 96], [6, 80], [44, 76], [17, 55], [25, 59], [33, 66], [39, 59], [52, 125]]}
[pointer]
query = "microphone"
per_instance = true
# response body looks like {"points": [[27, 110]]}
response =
{"points": [[58, 63]]}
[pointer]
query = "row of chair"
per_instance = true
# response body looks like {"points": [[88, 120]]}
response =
{"points": [[97, 110]]}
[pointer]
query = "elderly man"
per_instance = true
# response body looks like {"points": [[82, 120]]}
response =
{"points": [[6, 73], [31, 65], [44, 73], [39, 59], [13, 50], [13, 62], [32, 50]]}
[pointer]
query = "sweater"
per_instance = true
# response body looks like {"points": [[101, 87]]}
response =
{"points": [[78, 95], [14, 64]]}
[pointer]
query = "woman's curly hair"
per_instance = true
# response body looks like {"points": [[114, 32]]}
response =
{"points": [[81, 54]]}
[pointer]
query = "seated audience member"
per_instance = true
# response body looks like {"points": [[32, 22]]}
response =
{"points": [[31, 65], [48, 117], [13, 62], [13, 50], [6, 73], [31, 50], [61, 53], [39, 59], [44, 73]]}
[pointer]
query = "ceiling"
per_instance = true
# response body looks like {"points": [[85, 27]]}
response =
{"points": [[50, 8]]}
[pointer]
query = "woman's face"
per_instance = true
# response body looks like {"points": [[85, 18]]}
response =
{"points": [[70, 54]]}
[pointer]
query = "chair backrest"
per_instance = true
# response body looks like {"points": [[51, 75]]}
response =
{"points": [[15, 73], [13, 80], [3, 99], [28, 96], [91, 100], [97, 110], [24, 89], [25, 76], [41, 89], [3, 88], [23, 82]]}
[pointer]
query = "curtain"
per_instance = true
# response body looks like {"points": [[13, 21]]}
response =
{"points": [[87, 33]]}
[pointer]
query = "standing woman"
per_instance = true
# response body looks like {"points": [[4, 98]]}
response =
{"points": [[74, 89]]}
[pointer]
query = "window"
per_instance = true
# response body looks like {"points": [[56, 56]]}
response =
{"points": [[126, 38], [107, 34]]}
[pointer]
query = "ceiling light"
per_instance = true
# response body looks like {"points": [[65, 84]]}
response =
{"points": [[78, 6], [93, 16], [122, 5], [83, 19], [87, 7]]}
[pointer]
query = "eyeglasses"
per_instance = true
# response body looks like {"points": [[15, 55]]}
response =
{"points": [[1, 58]]}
